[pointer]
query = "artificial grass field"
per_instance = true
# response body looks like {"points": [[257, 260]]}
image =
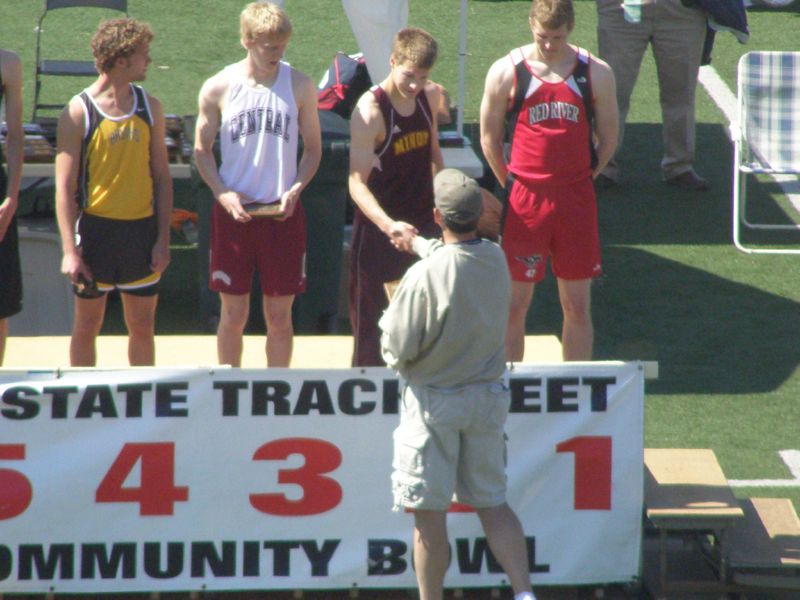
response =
{"points": [[724, 326]]}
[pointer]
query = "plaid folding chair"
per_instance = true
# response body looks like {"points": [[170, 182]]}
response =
{"points": [[767, 134]]}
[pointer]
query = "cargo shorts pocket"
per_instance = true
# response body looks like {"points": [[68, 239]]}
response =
{"points": [[409, 447], [496, 402], [444, 409], [407, 482]]}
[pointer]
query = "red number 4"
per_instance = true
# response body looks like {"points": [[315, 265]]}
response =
{"points": [[157, 493]]}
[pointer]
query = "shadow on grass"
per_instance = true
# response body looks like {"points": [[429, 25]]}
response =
{"points": [[643, 209], [709, 335]]}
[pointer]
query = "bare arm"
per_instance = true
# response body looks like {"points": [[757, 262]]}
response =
{"points": [[434, 94], [15, 137], [305, 93], [68, 150], [162, 187], [606, 115], [442, 107], [367, 129], [209, 117], [494, 104]]}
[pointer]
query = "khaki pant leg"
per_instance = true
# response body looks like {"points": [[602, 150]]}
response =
{"points": [[678, 46], [622, 45]]}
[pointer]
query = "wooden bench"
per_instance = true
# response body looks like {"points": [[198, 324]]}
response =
{"points": [[686, 491], [764, 550]]}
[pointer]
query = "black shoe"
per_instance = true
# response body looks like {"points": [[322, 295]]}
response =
{"points": [[689, 181]]}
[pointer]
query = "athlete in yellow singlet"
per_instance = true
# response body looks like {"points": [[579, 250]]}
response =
{"points": [[114, 193], [10, 269]]}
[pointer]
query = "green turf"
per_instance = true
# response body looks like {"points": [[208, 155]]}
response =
{"points": [[723, 326]]}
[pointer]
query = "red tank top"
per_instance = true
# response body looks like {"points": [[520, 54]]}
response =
{"points": [[550, 131], [402, 179]]}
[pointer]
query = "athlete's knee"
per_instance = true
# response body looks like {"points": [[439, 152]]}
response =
{"points": [[517, 312], [234, 314], [141, 322], [577, 311], [87, 324], [278, 321]]}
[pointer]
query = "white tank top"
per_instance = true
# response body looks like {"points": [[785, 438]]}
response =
{"points": [[258, 136]]}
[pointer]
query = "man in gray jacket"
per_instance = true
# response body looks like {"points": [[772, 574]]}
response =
{"points": [[444, 332]]}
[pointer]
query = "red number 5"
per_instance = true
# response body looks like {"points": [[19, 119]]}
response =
{"points": [[320, 493], [16, 492]]}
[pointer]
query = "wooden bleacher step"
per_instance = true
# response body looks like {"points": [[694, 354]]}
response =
{"points": [[686, 492], [687, 484], [764, 549]]}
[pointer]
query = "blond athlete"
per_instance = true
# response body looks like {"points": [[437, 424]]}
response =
{"points": [[260, 106], [114, 193]]}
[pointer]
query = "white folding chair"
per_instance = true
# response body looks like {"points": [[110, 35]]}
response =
{"points": [[767, 134]]}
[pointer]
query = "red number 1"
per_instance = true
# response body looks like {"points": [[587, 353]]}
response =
{"points": [[592, 471]]}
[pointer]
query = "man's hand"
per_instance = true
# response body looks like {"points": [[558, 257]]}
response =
{"points": [[232, 203], [401, 235]]}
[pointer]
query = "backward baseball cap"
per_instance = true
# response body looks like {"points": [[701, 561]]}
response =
{"points": [[457, 196]]}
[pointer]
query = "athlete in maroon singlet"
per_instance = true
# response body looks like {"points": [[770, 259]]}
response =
{"points": [[555, 152], [393, 153]]}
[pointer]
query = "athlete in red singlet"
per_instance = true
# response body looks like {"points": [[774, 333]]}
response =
{"points": [[394, 151], [551, 129], [556, 150]]}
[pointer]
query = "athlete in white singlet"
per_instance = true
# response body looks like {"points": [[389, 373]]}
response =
{"points": [[259, 106]]}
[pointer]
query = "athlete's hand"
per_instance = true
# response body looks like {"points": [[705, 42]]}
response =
{"points": [[7, 209], [73, 267], [401, 234], [232, 203], [289, 201], [159, 257]]}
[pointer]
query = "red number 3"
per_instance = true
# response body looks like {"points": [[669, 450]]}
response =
{"points": [[320, 493]]}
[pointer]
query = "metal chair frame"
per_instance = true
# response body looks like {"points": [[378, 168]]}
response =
{"points": [[60, 67], [766, 135]]}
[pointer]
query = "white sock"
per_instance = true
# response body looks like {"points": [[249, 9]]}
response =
{"points": [[525, 596]]}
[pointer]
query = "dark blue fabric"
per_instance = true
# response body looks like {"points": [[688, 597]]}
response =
{"points": [[723, 15]]}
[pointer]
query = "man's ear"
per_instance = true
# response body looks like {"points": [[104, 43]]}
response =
{"points": [[437, 216]]}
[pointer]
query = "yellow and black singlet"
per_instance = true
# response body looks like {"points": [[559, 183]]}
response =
{"points": [[115, 181]]}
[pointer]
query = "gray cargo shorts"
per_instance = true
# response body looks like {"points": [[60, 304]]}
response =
{"points": [[451, 441]]}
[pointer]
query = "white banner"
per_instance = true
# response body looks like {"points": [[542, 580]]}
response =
{"points": [[187, 479]]}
